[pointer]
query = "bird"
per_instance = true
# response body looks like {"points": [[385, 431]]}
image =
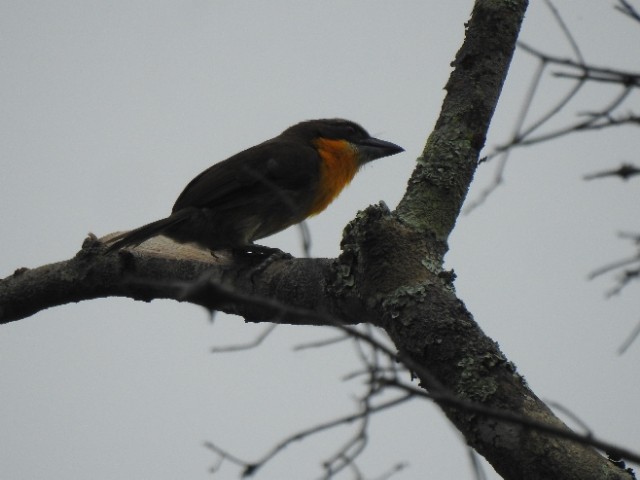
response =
{"points": [[265, 188]]}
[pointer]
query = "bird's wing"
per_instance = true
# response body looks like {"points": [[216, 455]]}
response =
{"points": [[274, 166]]}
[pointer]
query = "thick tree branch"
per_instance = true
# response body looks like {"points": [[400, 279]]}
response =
{"points": [[396, 261], [440, 182], [155, 270]]}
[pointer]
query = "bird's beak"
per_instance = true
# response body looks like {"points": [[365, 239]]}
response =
{"points": [[372, 148]]}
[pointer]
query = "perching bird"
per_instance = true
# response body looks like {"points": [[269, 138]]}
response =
{"points": [[266, 188]]}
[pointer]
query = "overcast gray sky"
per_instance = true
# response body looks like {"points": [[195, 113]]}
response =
{"points": [[110, 108]]}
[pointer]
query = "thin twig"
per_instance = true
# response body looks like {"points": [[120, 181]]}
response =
{"points": [[630, 339], [596, 121], [395, 469], [246, 346], [437, 392], [252, 467], [321, 343], [623, 280], [517, 419], [524, 136], [476, 466], [565, 30], [572, 416], [625, 171], [567, 62], [223, 455], [627, 9], [613, 266]]}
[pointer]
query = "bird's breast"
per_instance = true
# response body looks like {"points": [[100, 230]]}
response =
{"points": [[338, 167]]}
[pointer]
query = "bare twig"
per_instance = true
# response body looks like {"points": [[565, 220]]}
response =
{"points": [[516, 134], [626, 276], [526, 422], [249, 345], [395, 469], [558, 406], [437, 392], [321, 343], [222, 456], [346, 455], [580, 65], [250, 468], [630, 339], [595, 121], [627, 9], [476, 466], [623, 280], [565, 30], [519, 133], [581, 73], [613, 266], [625, 171]]}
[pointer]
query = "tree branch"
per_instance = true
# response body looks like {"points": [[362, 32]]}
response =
{"points": [[439, 393], [163, 269]]}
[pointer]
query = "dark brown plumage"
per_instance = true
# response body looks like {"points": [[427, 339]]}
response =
{"points": [[266, 188]]}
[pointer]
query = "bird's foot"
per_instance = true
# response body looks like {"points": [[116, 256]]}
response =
{"points": [[264, 256], [261, 252]]}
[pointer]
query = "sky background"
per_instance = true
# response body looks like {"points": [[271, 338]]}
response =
{"points": [[110, 108]]}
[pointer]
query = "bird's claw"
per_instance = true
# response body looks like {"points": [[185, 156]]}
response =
{"points": [[265, 256]]}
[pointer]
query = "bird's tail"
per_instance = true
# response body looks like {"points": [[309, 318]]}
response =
{"points": [[141, 234]]}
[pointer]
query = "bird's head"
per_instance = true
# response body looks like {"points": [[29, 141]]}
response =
{"points": [[339, 133]]}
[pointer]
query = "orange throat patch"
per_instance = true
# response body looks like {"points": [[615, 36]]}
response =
{"points": [[339, 165]]}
